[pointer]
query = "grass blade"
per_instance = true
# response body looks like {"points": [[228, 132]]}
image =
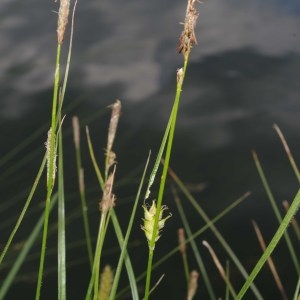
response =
{"points": [[276, 238]]}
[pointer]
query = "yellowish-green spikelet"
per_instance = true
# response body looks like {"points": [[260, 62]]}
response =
{"points": [[149, 220], [106, 281]]}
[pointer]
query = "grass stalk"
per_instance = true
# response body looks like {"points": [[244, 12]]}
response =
{"points": [[214, 229], [189, 239], [270, 262], [182, 249], [186, 41], [8, 281], [220, 269], [124, 244], [194, 246], [51, 145], [276, 211], [80, 174], [164, 175], [23, 212], [273, 243], [51, 157], [61, 243]]}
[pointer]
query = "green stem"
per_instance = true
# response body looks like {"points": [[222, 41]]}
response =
{"points": [[164, 175], [50, 172]]}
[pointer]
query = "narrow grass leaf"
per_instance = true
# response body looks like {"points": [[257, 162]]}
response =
{"points": [[123, 245], [288, 152], [24, 210], [61, 242], [276, 211], [276, 238], [194, 247], [214, 229], [8, 281]]}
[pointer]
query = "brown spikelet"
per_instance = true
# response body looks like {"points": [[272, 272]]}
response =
{"points": [[108, 198], [115, 115], [76, 131], [81, 181], [181, 240], [193, 285], [188, 37], [63, 15], [112, 129]]}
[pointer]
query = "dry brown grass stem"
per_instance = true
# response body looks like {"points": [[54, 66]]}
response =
{"points": [[181, 240], [63, 15], [81, 181], [270, 261], [216, 260], [193, 285], [188, 37]]}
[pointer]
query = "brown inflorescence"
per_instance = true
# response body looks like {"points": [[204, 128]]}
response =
{"points": [[188, 38], [63, 15]]}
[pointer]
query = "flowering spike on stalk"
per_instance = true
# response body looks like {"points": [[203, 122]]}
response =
{"points": [[149, 220], [115, 116], [188, 37], [106, 281], [193, 284], [108, 198], [63, 15], [47, 144]]}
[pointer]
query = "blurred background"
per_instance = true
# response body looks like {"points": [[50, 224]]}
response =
{"points": [[242, 78]]}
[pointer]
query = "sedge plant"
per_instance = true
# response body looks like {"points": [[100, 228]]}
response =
{"points": [[104, 281], [153, 220]]}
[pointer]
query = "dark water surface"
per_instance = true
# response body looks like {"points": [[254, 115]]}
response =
{"points": [[242, 78]]}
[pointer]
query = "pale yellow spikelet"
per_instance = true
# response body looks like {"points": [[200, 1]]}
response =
{"points": [[106, 280], [193, 285], [47, 144], [149, 220]]}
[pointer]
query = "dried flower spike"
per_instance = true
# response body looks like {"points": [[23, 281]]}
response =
{"points": [[188, 37], [63, 15], [181, 241], [149, 221], [108, 198], [193, 284], [115, 116]]}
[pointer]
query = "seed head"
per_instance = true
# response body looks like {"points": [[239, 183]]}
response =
{"points": [[149, 220], [188, 37]]}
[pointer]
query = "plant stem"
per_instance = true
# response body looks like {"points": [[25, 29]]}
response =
{"points": [[50, 171], [164, 174]]}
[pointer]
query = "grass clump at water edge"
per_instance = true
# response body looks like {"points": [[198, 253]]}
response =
{"points": [[104, 281]]}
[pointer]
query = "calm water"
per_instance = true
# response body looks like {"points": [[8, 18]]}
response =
{"points": [[242, 78]]}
